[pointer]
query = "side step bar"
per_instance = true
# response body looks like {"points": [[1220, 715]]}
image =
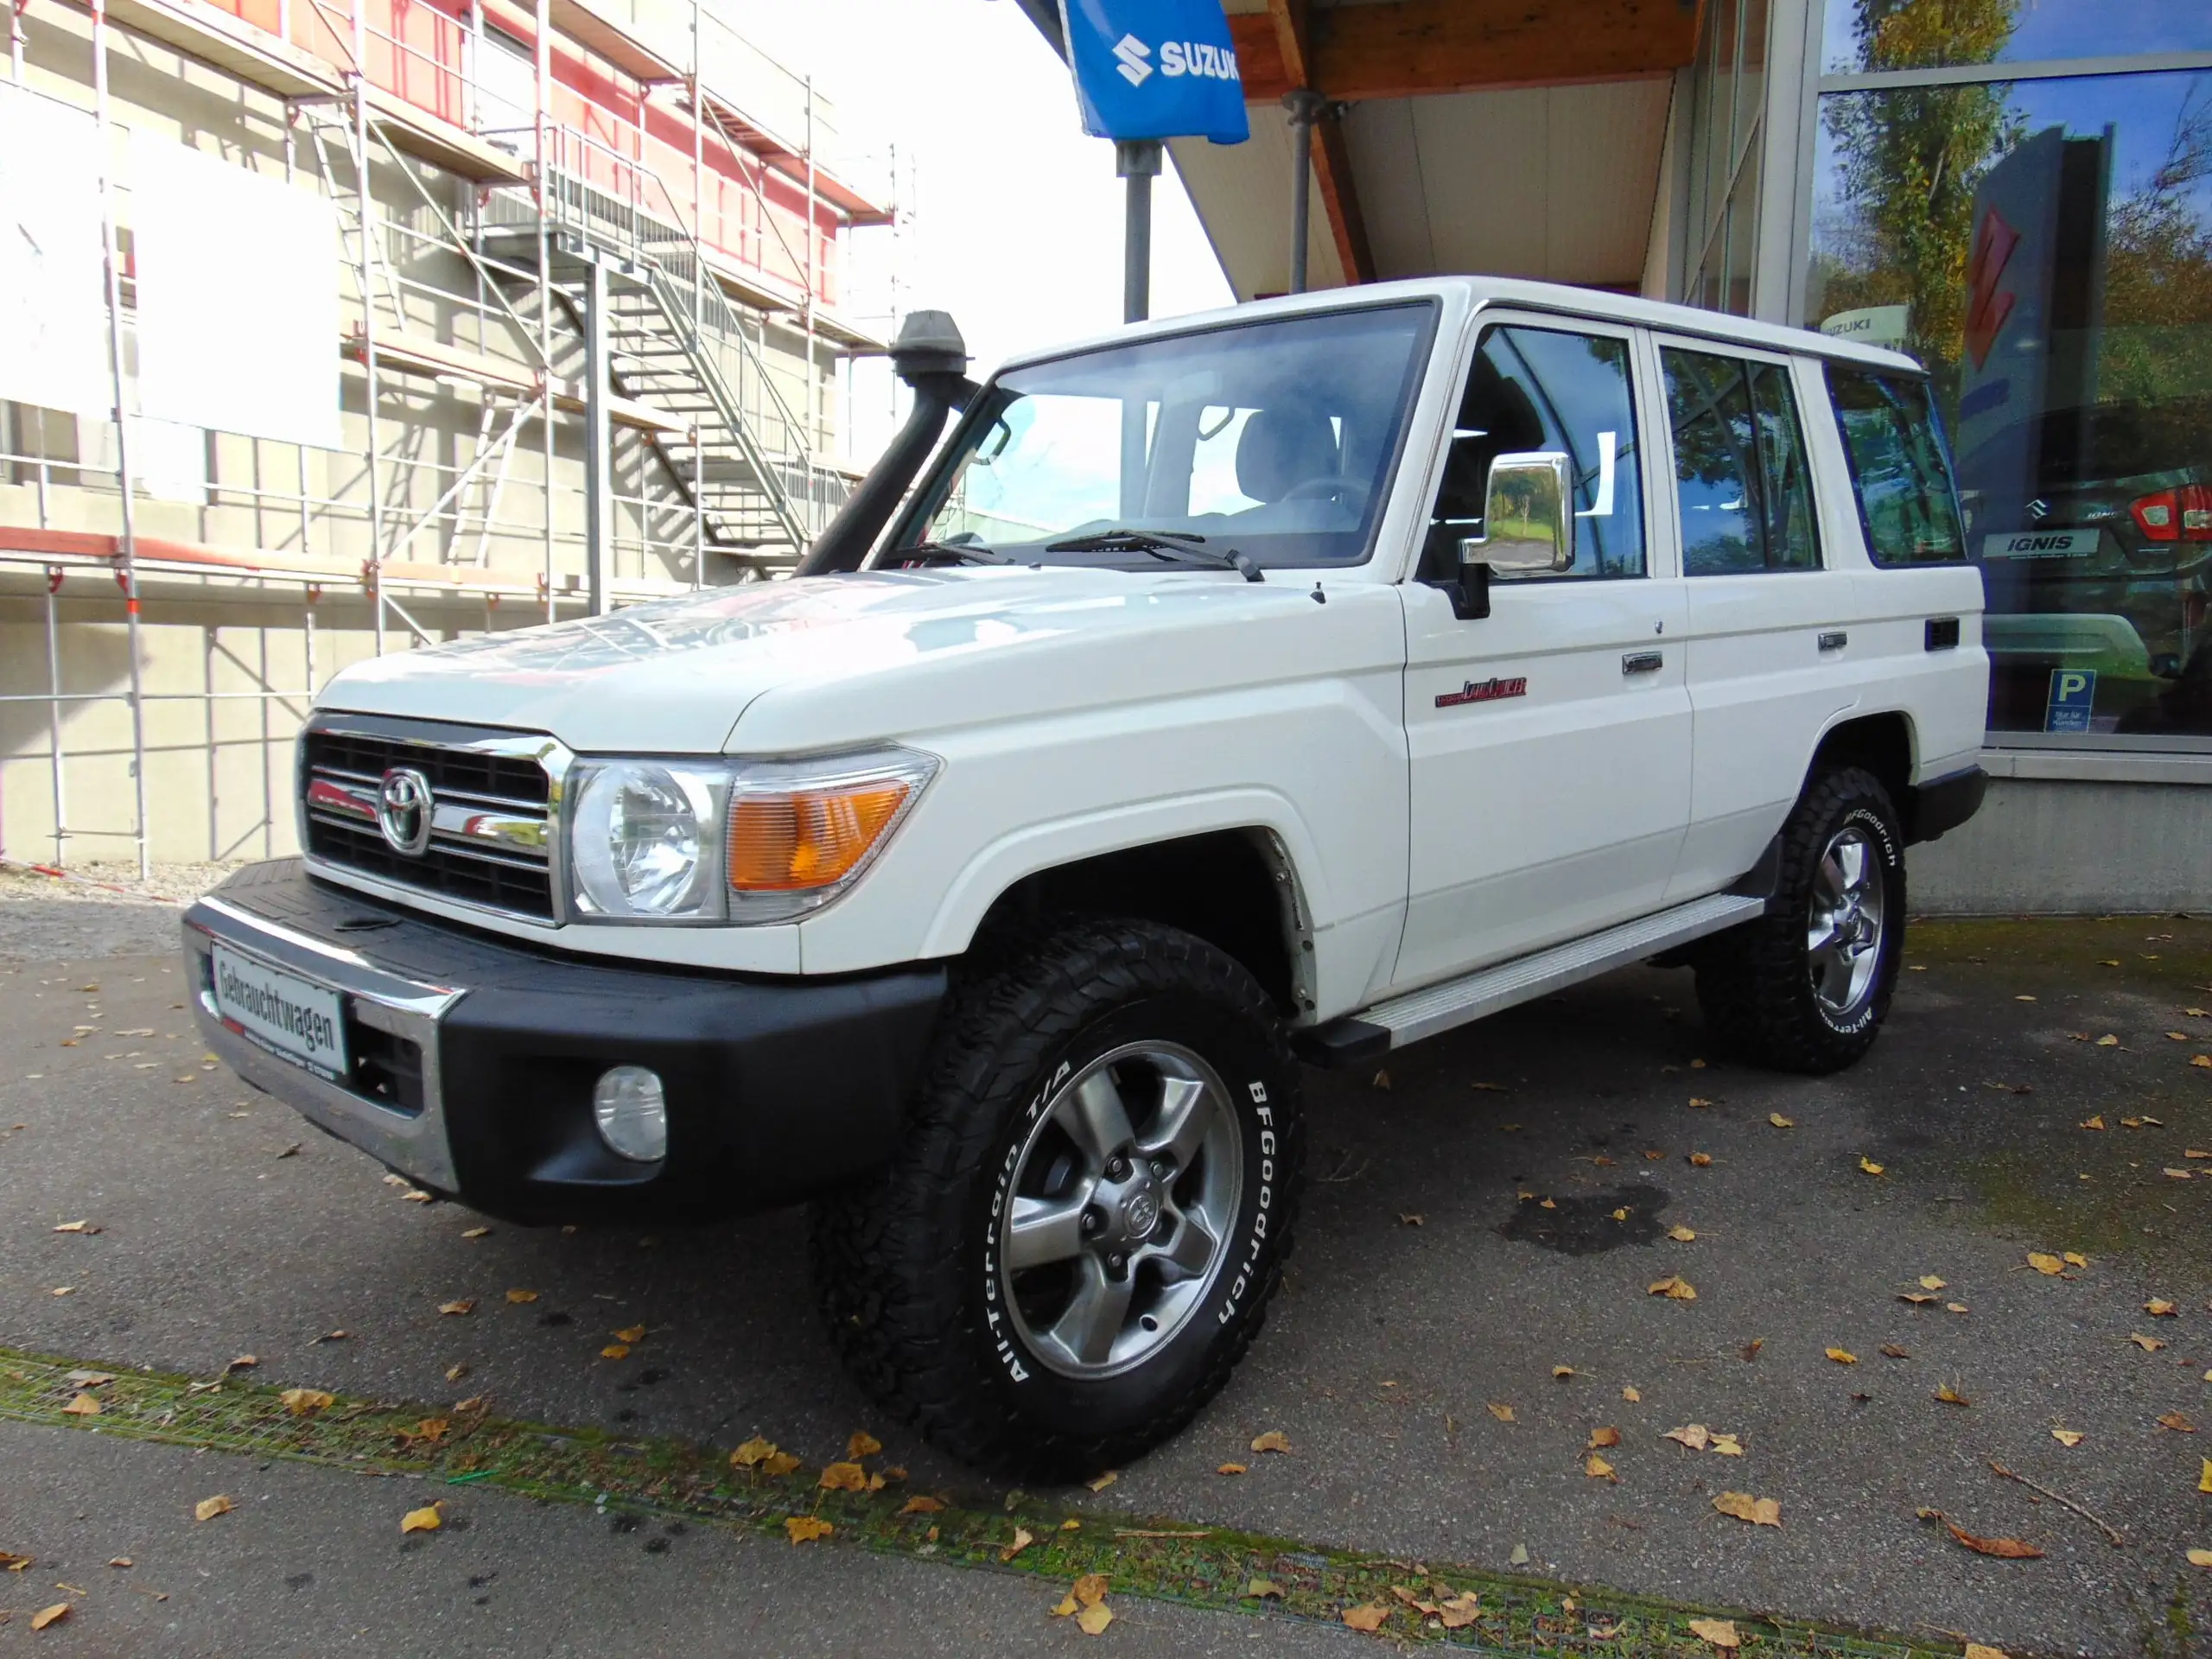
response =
{"points": [[1407, 1019]]}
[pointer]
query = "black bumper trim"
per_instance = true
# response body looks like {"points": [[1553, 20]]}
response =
{"points": [[1945, 803], [779, 1088]]}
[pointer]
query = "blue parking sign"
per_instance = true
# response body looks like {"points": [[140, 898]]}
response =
{"points": [[2073, 695]]}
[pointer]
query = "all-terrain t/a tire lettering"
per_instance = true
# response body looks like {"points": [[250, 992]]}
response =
{"points": [[1080, 1232]]}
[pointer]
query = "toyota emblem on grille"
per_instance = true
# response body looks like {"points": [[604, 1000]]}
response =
{"points": [[404, 810]]}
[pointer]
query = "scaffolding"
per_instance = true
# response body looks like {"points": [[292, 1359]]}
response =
{"points": [[636, 296]]}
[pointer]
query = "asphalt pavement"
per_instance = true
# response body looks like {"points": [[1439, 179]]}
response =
{"points": [[1487, 1210]]}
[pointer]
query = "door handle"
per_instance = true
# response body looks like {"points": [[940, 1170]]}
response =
{"points": [[1834, 641], [1642, 662]]}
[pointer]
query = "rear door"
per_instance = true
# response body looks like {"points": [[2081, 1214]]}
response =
{"points": [[1770, 623], [1549, 741]]}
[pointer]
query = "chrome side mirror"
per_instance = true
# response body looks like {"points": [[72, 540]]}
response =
{"points": [[1528, 529]]}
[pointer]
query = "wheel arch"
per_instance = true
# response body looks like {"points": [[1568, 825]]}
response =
{"points": [[1237, 888], [1883, 742]]}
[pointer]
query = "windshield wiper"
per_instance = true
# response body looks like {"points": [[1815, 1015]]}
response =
{"points": [[1162, 544], [969, 552]]}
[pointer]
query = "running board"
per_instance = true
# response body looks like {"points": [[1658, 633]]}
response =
{"points": [[1433, 1008]]}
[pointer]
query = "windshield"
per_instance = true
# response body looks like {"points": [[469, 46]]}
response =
{"points": [[1273, 440]]}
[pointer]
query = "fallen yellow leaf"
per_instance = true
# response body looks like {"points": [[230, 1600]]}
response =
{"points": [[921, 1506], [1701, 1159], [1674, 1287], [47, 1615], [1721, 1632], [1262, 1588], [2204, 1060], [2148, 1345], [1103, 1481], [1368, 1616], [1780, 1121], [1869, 1166], [13, 1562], [844, 1477], [2075, 1258], [83, 1405], [630, 1333], [1631, 1397], [208, 1507], [1459, 1612], [1930, 1281], [1604, 1437], [2045, 1263], [1951, 1396], [1503, 1413], [2159, 1308], [305, 1403], [521, 1295], [1560, 1373], [1758, 1511], [1680, 1234], [859, 1444], [2200, 1558], [2067, 1436], [1694, 1435], [1620, 1215], [2096, 1122], [1726, 1445], [1022, 1539], [1093, 1621], [2204, 1480], [1273, 1440], [1231, 1469], [1983, 1651], [466, 1305], [1843, 1355], [615, 1351], [2176, 1422], [805, 1529], [1598, 1469], [476, 1232], [426, 1519]]}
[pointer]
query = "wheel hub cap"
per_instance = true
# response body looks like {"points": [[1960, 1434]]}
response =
{"points": [[1844, 928], [1124, 1193]]}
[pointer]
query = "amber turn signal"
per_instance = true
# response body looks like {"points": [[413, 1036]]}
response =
{"points": [[810, 838]]}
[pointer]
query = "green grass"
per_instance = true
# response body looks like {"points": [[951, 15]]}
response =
{"points": [[1165, 1560]]}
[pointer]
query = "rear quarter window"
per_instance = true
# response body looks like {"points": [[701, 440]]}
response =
{"points": [[1900, 468]]}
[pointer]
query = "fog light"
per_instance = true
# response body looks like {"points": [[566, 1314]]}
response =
{"points": [[633, 1113]]}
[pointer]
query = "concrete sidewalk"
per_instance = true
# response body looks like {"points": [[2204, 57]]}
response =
{"points": [[1425, 1291]]}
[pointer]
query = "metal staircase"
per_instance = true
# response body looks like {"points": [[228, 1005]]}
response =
{"points": [[678, 345]]}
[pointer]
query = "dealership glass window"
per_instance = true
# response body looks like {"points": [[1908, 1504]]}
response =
{"points": [[1863, 36], [1727, 95], [2044, 246]]}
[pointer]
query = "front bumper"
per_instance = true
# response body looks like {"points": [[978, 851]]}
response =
{"points": [[472, 1060]]}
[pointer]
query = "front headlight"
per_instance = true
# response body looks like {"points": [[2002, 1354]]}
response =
{"points": [[747, 841]]}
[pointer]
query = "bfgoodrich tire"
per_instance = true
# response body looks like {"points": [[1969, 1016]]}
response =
{"points": [[1079, 1236], [1806, 986]]}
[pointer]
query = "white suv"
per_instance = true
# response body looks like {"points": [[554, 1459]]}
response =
{"points": [[1288, 683]]}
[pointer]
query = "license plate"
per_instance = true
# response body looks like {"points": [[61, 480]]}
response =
{"points": [[292, 1018]]}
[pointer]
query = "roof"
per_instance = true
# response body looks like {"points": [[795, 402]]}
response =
{"points": [[1479, 291]]}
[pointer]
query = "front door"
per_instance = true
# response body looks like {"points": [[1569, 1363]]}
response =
{"points": [[1549, 741]]}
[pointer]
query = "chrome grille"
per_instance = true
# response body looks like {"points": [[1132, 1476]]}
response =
{"points": [[493, 798]]}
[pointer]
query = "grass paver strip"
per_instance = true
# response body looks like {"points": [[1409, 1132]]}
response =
{"points": [[1202, 1566]]}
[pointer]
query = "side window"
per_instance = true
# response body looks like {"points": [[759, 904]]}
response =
{"points": [[1740, 471], [1545, 388], [1900, 470]]}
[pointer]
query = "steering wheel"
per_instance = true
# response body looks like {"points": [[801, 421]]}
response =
{"points": [[1350, 491]]}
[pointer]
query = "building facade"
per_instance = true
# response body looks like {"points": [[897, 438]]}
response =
{"points": [[334, 329]]}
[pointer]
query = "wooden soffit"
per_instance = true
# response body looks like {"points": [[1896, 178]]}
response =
{"points": [[1413, 48]]}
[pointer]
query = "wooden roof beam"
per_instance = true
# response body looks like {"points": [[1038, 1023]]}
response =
{"points": [[1410, 48], [1292, 24]]}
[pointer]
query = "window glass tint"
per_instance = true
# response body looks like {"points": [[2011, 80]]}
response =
{"points": [[1862, 35], [1898, 469], [1739, 466], [1544, 389]]}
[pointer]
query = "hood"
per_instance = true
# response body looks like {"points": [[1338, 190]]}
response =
{"points": [[841, 659]]}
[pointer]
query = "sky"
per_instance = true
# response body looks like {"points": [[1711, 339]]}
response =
{"points": [[1016, 226]]}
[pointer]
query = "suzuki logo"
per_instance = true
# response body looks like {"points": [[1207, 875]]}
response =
{"points": [[1986, 306], [404, 807], [1132, 52]]}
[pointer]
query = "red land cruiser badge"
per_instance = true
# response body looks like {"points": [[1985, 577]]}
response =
{"points": [[1483, 691]]}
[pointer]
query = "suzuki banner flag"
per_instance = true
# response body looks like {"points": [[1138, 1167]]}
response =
{"points": [[1155, 69]]}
